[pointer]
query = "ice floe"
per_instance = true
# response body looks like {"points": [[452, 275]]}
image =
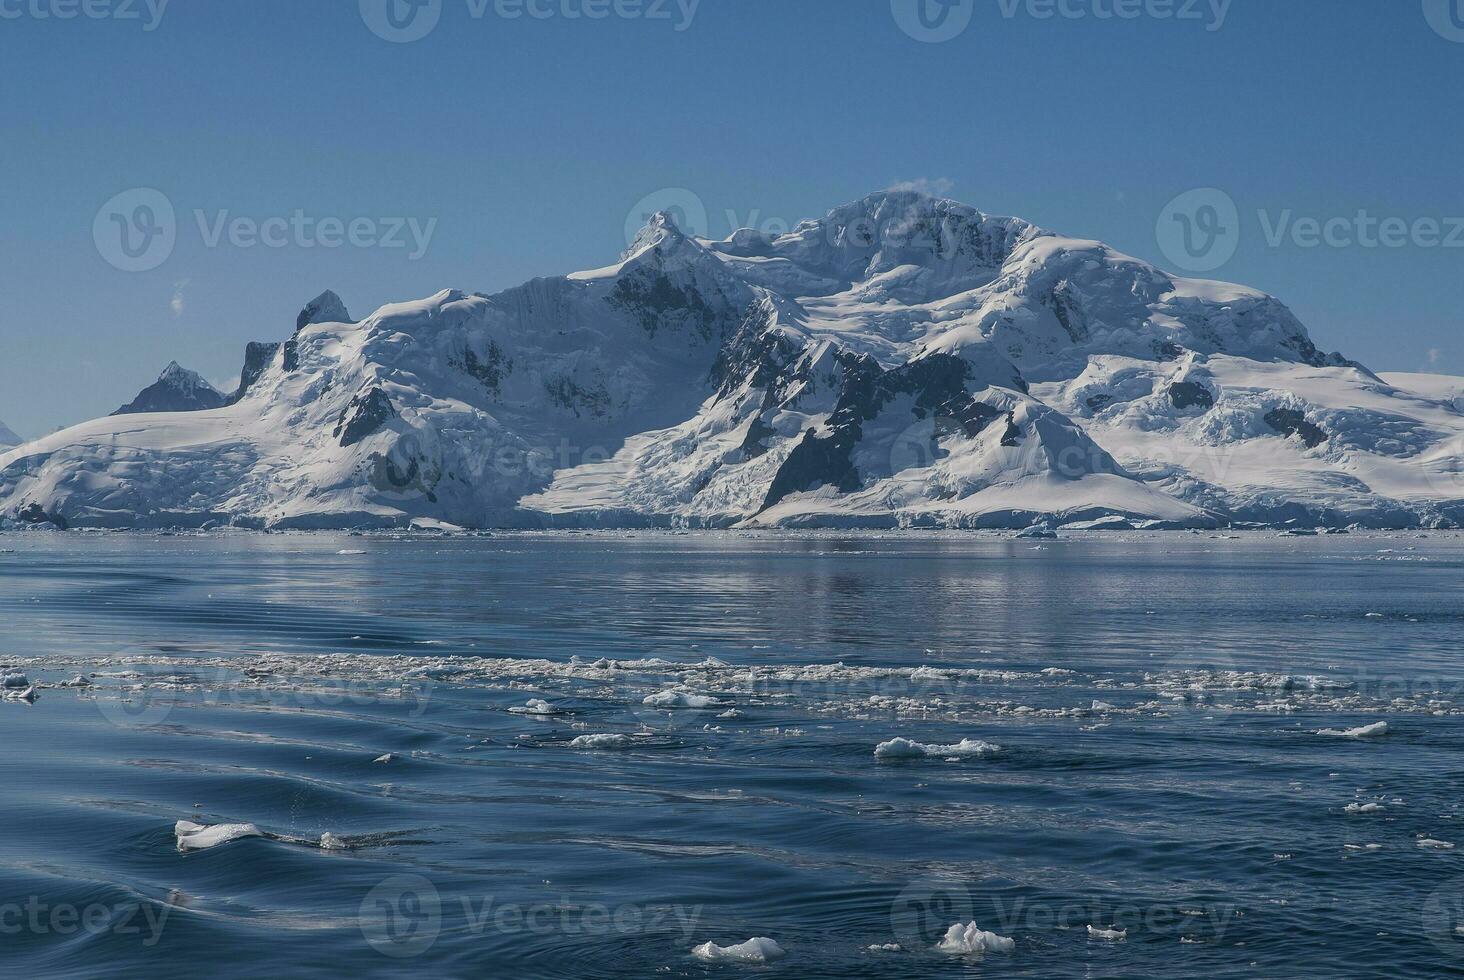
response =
{"points": [[535, 706], [199, 837], [759, 949], [677, 698], [904, 748], [602, 743], [1375, 730], [1108, 935], [970, 938]]}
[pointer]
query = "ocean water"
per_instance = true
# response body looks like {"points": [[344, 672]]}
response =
{"points": [[1156, 726]]}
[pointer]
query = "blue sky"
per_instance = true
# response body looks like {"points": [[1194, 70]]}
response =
{"points": [[523, 143]]}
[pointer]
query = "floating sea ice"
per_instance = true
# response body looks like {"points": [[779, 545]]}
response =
{"points": [[1429, 844], [681, 699], [886, 948], [535, 706], [15, 686], [331, 842], [970, 938], [1103, 706], [602, 743], [198, 837], [1366, 731], [756, 950], [351, 551], [1111, 935], [730, 713], [384, 758], [1363, 808], [904, 748], [77, 681]]}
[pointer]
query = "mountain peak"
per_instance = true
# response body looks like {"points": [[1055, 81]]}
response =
{"points": [[176, 390], [325, 308], [660, 229], [8, 437]]}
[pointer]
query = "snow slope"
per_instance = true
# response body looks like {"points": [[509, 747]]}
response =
{"points": [[903, 361]]}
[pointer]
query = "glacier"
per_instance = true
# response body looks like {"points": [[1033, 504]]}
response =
{"points": [[904, 361]]}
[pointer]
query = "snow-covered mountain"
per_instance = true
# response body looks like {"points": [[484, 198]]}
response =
{"points": [[8, 437], [176, 390], [902, 361]]}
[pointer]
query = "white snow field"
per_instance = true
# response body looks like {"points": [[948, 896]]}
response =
{"points": [[904, 361]]}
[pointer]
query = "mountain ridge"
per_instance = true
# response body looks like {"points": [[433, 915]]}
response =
{"points": [[902, 361]]}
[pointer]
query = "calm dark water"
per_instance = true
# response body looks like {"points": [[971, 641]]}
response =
{"points": [[1157, 703]]}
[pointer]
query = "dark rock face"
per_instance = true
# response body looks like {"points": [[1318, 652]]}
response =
{"points": [[34, 514], [1291, 422], [938, 383], [1189, 394], [572, 396], [291, 360], [257, 358], [1097, 403], [489, 370], [1065, 307], [661, 298], [758, 357], [176, 390], [367, 413]]}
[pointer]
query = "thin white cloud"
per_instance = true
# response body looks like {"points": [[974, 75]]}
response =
{"points": [[936, 186], [177, 303]]}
